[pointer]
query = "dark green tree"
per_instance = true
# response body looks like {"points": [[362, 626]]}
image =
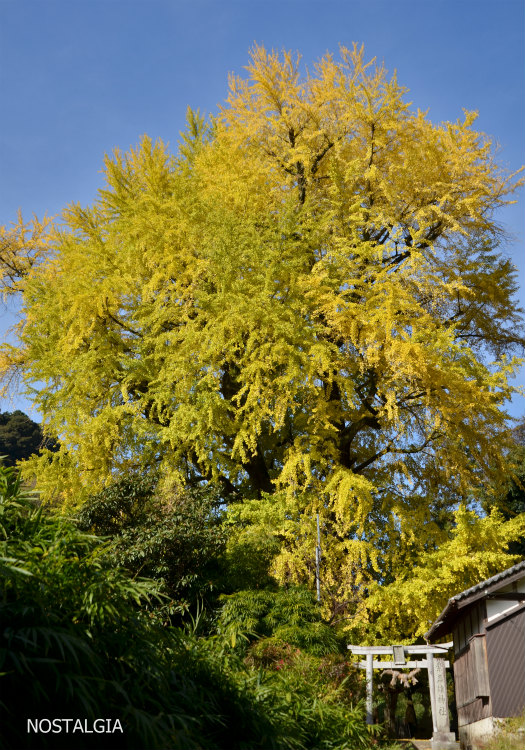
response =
{"points": [[20, 437]]}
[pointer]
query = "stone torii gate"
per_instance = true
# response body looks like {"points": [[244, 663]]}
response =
{"points": [[442, 737]]}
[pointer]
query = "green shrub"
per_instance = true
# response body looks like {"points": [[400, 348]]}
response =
{"points": [[319, 693], [290, 615], [271, 653], [80, 639], [175, 538], [74, 639]]}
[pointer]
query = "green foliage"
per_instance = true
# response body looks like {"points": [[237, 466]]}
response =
{"points": [[329, 673], [73, 636], [326, 719], [118, 506], [79, 639], [174, 536], [251, 546], [288, 615], [247, 561], [302, 707]]}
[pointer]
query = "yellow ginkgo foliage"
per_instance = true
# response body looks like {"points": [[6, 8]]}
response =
{"points": [[305, 303], [22, 246], [476, 550]]}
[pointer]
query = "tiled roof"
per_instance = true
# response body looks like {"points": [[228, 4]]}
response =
{"points": [[489, 582]]}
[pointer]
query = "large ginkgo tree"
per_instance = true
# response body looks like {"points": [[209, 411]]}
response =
{"points": [[305, 306]]}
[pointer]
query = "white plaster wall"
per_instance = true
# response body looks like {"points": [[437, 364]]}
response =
{"points": [[496, 607]]}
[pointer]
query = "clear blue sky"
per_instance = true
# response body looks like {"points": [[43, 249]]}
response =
{"points": [[80, 77]]}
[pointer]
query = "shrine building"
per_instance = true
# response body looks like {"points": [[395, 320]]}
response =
{"points": [[487, 622]]}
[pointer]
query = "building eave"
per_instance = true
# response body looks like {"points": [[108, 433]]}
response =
{"points": [[444, 623]]}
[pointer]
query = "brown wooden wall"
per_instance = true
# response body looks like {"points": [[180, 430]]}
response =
{"points": [[470, 623], [506, 663], [472, 682]]}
